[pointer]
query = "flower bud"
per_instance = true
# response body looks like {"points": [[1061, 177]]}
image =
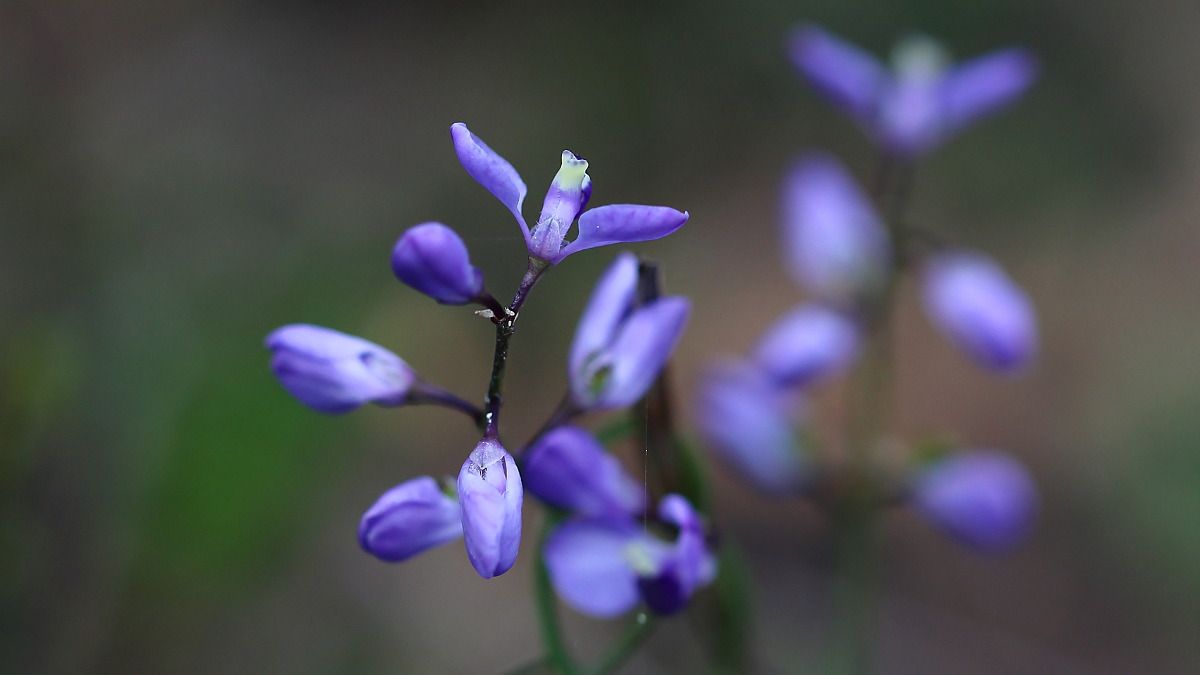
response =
{"points": [[410, 518], [334, 372], [490, 493], [984, 499], [569, 469], [433, 259], [806, 345]]}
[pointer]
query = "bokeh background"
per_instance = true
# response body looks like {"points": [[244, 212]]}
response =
{"points": [[177, 178]]}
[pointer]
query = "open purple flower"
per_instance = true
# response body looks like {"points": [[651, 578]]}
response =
{"points": [[922, 99], [569, 469], [806, 345], [433, 259], [982, 498], [490, 493], [979, 308], [619, 349], [410, 518], [835, 243], [604, 566], [565, 200], [334, 372]]}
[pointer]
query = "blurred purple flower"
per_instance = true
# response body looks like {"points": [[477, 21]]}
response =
{"points": [[568, 195], [334, 372], [410, 518], [490, 494], [979, 308], [743, 418], [618, 349], [923, 99], [433, 259], [603, 566], [569, 469], [985, 499], [835, 243], [806, 345]]}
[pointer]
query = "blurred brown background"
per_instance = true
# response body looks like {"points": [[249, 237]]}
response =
{"points": [[177, 178]]}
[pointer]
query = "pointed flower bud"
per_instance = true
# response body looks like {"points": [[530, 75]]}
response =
{"points": [[334, 372], [569, 469], [410, 518], [835, 243], [618, 350], [490, 493], [432, 259], [982, 498], [806, 345], [979, 308]]}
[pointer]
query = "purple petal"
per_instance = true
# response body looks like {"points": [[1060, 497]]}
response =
{"points": [[589, 566], [433, 259], [334, 372], [912, 118], [568, 468], [844, 74], [744, 420], [610, 303], [806, 345], [623, 223], [836, 245], [621, 374], [987, 83], [978, 307], [983, 498], [685, 567], [490, 493], [568, 192], [410, 518], [490, 170]]}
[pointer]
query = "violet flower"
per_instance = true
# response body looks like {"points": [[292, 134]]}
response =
{"points": [[923, 99], [490, 494], [806, 345], [835, 243], [603, 566], [982, 498], [565, 200], [569, 469], [433, 259], [410, 518], [334, 372], [979, 308], [619, 349]]}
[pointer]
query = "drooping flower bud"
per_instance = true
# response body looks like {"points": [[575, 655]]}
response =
{"points": [[568, 468], [979, 308], [490, 493], [410, 518], [982, 498], [433, 259], [334, 372], [806, 345]]}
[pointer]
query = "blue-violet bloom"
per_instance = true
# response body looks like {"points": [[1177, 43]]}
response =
{"points": [[982, 498], [410, 518], [806, 345], [619, 349], [490, 493], [568, 468], [433, 259], [565, 200], [923, 99], [334, 372], [977, 306]]}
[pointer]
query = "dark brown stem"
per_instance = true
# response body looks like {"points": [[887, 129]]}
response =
{"points": [[505, 328], [428, 394]]}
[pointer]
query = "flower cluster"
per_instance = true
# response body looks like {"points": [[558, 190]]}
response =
{"points": [[602, 558], [847, 256]]}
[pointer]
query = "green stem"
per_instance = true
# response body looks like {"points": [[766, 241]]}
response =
{"points": [[630, 641], [557, 656]]}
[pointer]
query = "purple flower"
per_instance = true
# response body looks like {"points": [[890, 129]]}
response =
{"points": [[743, 418], [806, 345], [569, 469], [985, 499], [568, 195], [835, 243], [922, 100], [433, 259], [410, 518], [335, 373], [979, 308], [603, 566], [619, 349], [489, 491]]}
